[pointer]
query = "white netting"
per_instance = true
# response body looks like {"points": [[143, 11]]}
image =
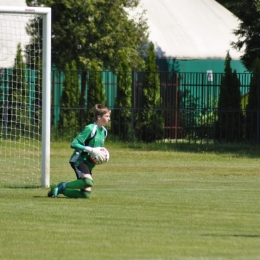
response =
{"points": [[20, 101]]}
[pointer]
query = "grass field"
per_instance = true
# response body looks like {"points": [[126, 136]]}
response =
{"points": [[173, 202]]}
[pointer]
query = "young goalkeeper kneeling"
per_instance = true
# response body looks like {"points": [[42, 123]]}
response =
{"points": [[84, 145]]}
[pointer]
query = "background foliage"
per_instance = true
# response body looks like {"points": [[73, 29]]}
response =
{"points": [[87, 30], [253, 107], [229, 125], [70, 97], [122, 115], [150, 125], [247, 33], [18, 112]]}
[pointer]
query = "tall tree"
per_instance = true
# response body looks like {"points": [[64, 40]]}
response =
{"points": [[248, 34], [70, 98], [18, 98], [96, 93], [151, 124], [1, 97], [33, 55], [248, 12], [230, 4], [229, 126], [253, 106], [122, 110]]}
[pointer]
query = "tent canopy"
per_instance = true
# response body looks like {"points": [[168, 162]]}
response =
{"points": [[191, 29], [180, 29], [10, 35]]}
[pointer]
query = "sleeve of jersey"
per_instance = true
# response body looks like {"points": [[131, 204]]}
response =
{"points": [[77, 145], [78, 142]]}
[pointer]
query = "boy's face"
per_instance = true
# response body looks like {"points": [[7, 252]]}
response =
{"points": [[103, 120]]}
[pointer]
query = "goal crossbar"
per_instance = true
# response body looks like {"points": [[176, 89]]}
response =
{"points": [[46, 82]]}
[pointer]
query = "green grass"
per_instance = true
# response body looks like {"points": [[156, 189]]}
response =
{"points": [[148, 202]]}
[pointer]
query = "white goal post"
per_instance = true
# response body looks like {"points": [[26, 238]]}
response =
{"points": [[45, 82]]}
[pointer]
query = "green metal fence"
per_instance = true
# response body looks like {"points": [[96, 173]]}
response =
{"points": [[189, 102]]}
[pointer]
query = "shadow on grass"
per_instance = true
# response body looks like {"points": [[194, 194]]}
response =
{"points": [[231, 235], [237, 150], [46, 197], [20, 187]]}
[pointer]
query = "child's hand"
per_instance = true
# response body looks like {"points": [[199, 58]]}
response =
{"points": [[98, 154]]}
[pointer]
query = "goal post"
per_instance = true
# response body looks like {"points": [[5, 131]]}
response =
{"points": [[45, 104]]}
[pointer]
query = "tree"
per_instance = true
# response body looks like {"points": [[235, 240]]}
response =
{"points": [[230, 116], [94, 31], [33, 56], [70, 98], [248, 34], [151, 124], [253, 106], [87, 30], [18, 98], [122, 112], [96, 93], [248, 12], [1, 96], [188, 112], [231, 5]]}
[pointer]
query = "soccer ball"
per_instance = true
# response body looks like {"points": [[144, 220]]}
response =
{"points": [[105, 156]]}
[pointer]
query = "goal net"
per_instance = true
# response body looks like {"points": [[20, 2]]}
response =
{"points": [[25, 68]]}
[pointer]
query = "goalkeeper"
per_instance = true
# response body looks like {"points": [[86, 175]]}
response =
{"points": [[93, 135]]}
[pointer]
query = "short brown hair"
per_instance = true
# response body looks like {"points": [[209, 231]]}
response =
{"points": [[100, 110]]}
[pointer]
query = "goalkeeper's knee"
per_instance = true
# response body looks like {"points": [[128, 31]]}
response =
{"points": [[88, 182], [85, 194]]}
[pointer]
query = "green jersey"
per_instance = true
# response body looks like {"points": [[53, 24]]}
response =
{"points": [[92, 136]]}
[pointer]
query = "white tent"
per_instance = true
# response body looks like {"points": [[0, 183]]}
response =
{"points": [[12, 3], [181, 29], [191, 29], [12, 32]]}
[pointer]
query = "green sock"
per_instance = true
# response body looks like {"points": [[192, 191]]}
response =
{"points": [[79, 184], [76, 194]]}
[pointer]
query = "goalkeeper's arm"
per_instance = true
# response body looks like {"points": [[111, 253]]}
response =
{"points": [[78, 146]]}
